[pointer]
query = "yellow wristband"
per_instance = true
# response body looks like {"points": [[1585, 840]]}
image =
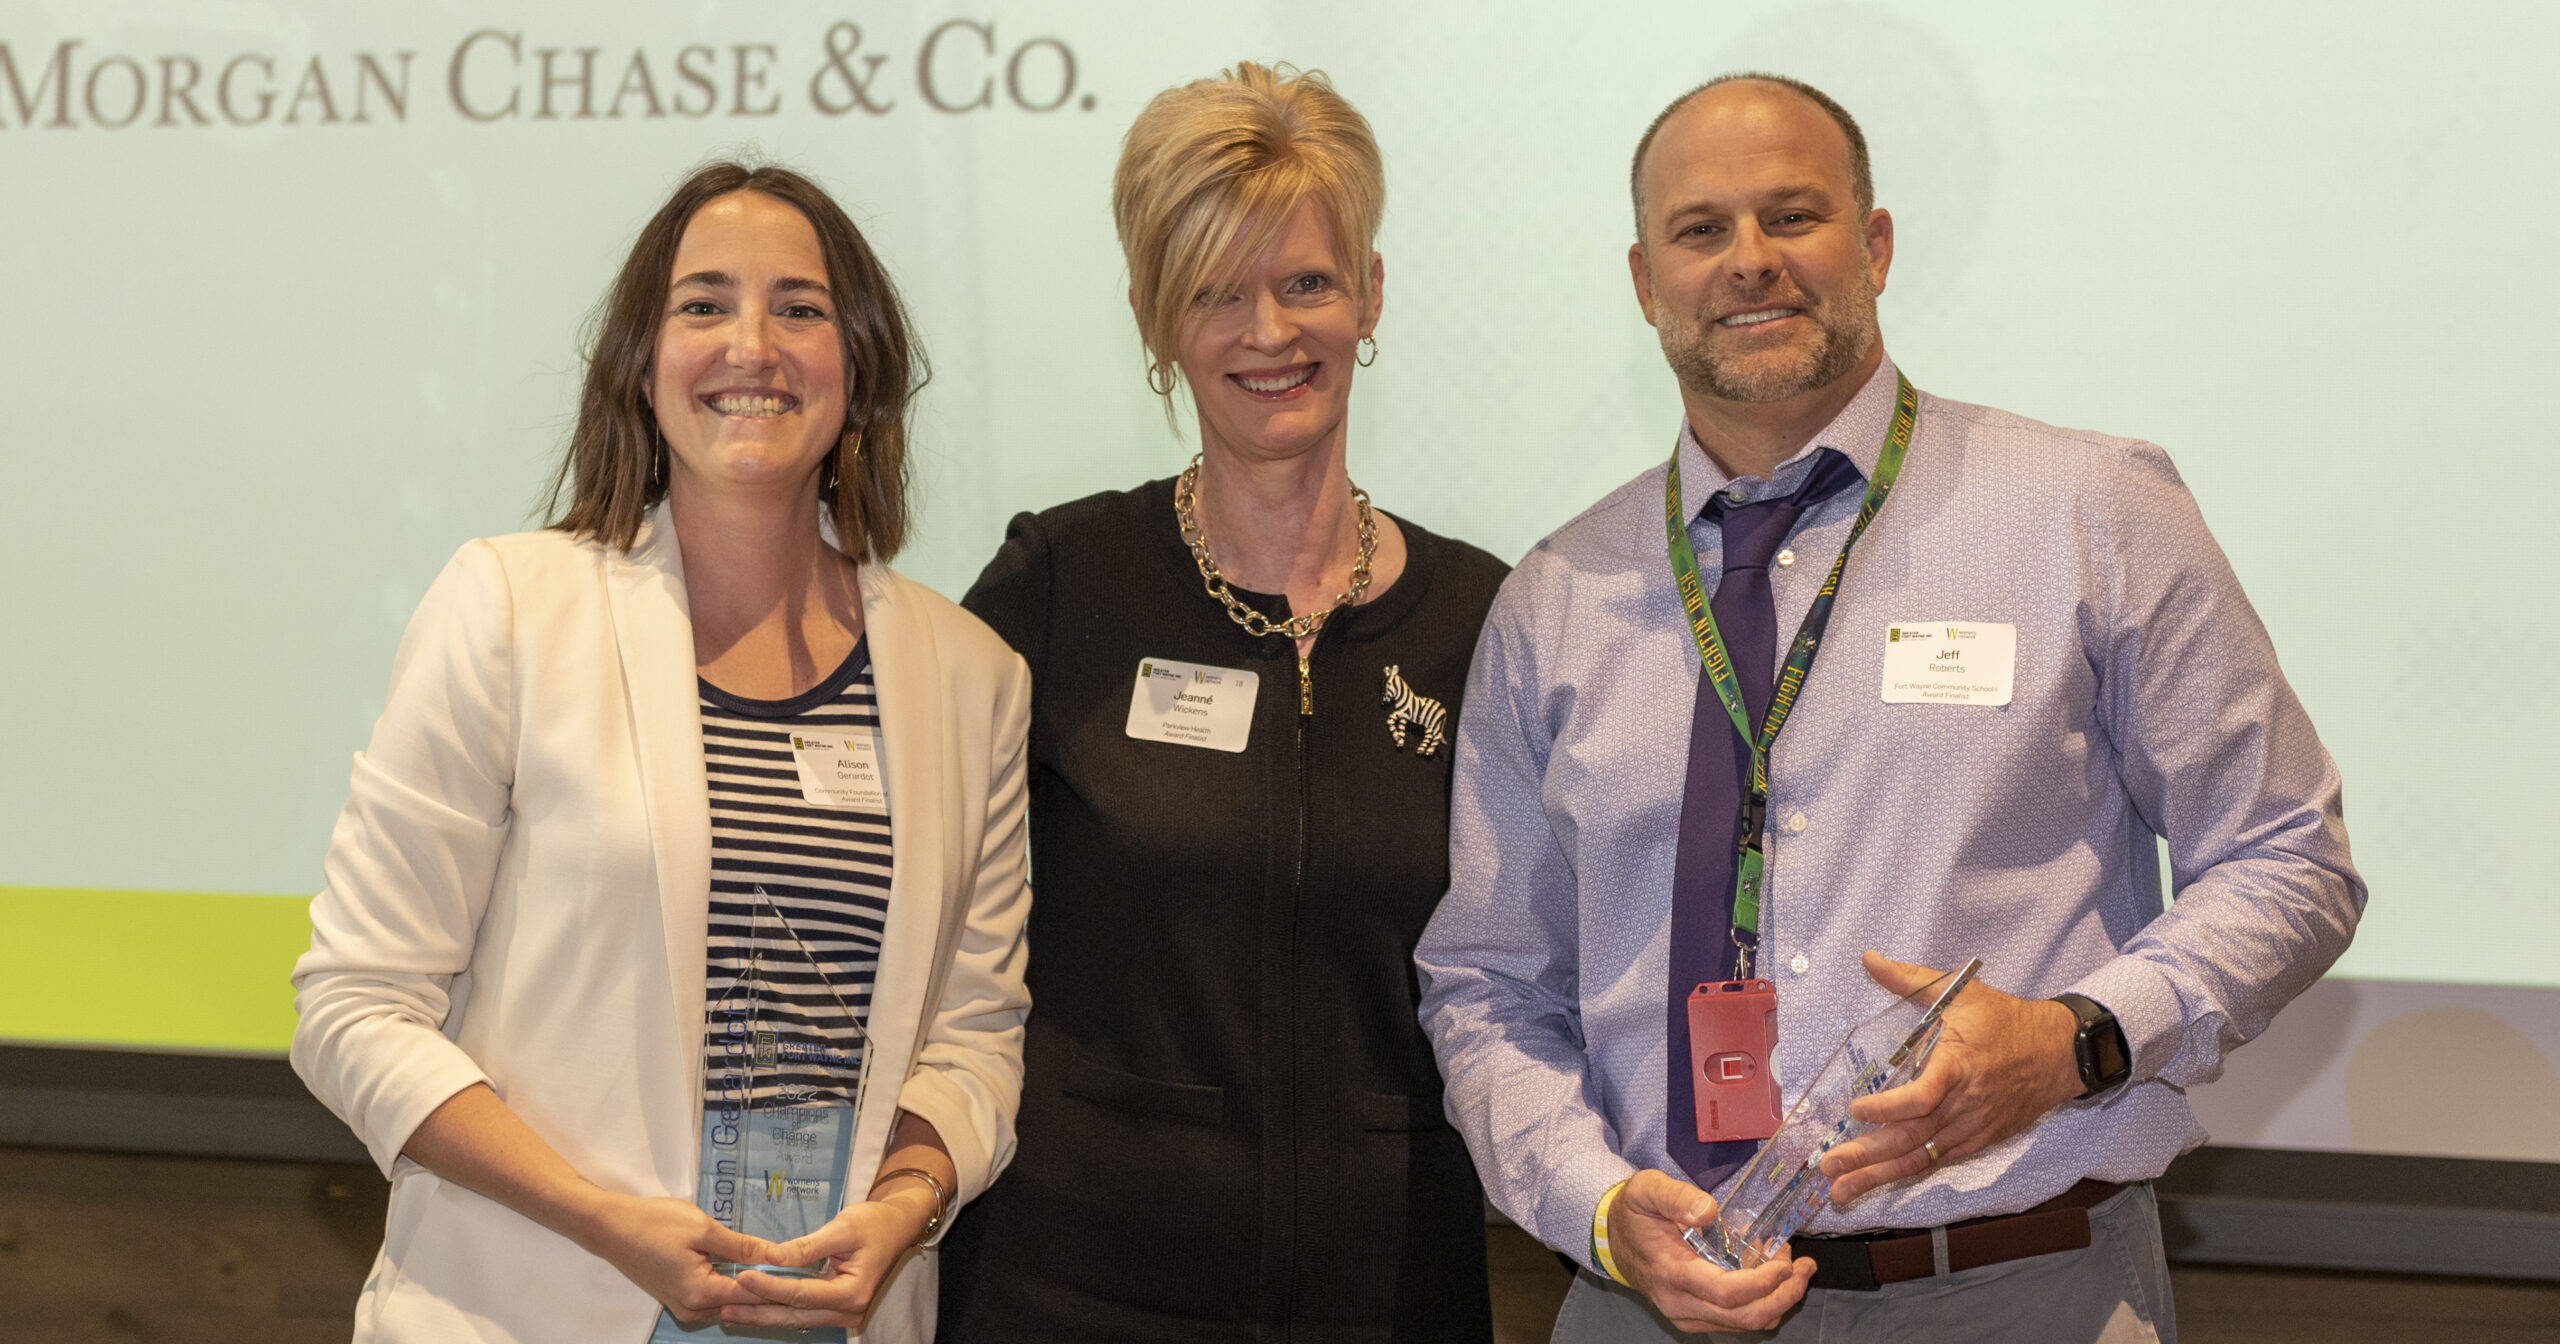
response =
{"points": [[1600, 1236]]}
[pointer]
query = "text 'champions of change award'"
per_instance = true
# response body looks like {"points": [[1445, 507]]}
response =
{"points": [[783, 1085]]}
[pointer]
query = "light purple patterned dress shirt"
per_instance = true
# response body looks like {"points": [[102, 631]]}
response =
{"points": [[2147, 703]]}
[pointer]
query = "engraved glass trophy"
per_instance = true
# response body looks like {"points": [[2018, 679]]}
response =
{"points": [[783, 1082], [1783, 1185]]}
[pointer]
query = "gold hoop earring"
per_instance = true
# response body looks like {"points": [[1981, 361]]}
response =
{"points": [[658, 462], [1368, 351], [1160, 379]]}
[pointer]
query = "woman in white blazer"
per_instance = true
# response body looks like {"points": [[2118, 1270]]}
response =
{"points": [[505, 995]]}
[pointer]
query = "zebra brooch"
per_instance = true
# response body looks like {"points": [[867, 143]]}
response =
{"points": [[1405, 708]]}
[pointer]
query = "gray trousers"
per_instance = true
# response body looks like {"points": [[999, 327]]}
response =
{"points": [[2114, 1292]]}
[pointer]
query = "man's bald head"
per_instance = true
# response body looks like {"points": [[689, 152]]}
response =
{"points": [[1862, 183]]}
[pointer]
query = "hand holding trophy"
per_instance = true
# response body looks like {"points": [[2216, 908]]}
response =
{"points": [[785, 1073], [1784, 1183]]}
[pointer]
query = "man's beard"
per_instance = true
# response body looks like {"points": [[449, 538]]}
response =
{"points": [[1840, 341]]}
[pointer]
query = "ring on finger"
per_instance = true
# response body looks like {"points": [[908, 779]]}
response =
{"points": [[1930, 1146]]}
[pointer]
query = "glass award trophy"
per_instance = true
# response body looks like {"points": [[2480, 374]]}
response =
{"points": [[783, 1082], [1783, 1185]]}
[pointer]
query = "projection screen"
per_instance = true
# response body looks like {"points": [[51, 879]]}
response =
{"points": [[296, 290]]}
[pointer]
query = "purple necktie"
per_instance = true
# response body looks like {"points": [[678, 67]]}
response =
{"points": [[1702, 950]]}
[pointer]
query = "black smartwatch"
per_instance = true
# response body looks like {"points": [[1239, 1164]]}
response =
{"points": [[2099, 1045]]}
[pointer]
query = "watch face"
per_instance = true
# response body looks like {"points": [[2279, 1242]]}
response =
{"points": [[2102, 1059], [2107, 1053], [2099, 1046]]}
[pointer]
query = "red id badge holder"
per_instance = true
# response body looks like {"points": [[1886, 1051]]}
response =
{"points": [[1733, 1033]]}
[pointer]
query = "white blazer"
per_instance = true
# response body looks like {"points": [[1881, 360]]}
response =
{"points": [[517, 894]]}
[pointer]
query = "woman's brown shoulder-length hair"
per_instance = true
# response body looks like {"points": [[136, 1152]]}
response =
{"points": [[616, 468]]}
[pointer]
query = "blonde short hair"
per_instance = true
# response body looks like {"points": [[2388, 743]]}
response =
{"points": [[1210, 172]]}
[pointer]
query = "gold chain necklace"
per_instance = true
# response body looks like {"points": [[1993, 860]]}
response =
{"points": [[1254, 622]]}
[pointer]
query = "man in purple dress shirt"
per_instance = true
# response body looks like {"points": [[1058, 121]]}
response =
{"points": [[2120, 696]]}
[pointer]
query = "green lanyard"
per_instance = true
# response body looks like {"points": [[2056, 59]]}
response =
{"points": [[1719, 667]]}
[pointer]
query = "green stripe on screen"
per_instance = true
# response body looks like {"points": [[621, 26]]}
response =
{"points": [[153, 970]]}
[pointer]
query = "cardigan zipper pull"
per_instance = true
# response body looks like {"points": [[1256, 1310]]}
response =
{"points": [[1306, 690]]}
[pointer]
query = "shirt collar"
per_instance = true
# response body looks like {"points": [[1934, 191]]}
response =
{"points": [[1857, 433]]}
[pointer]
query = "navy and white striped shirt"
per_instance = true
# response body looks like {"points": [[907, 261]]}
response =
{"points": [[800, 891]]}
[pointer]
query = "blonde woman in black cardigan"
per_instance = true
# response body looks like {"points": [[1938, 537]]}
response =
{"points": [[1231, 1124]]}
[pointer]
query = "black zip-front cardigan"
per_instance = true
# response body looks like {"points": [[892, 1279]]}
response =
{"points": [[1231, 1125]]}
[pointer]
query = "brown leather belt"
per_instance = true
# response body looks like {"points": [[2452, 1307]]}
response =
{"points": [[1862, 1262]]}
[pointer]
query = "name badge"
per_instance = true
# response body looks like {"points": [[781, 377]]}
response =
{"points": [[1192, 704], [1949, 663], [841, 769]]}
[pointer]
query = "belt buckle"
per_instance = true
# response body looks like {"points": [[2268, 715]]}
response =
{"points": [[1841, 1264]]}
